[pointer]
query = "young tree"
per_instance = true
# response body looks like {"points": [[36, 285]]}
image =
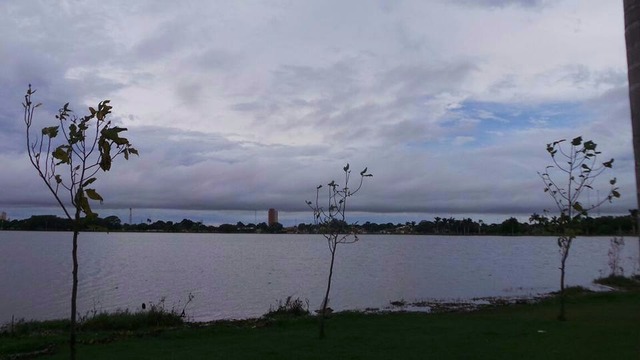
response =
{"points": [[331, 222], [68, 158], [573, 174], [616, 244]]}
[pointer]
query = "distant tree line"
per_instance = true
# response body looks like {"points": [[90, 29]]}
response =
{"points": [[113, 223], [536, 225]]}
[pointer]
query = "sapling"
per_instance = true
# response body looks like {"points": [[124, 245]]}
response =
{"points": [[331, 221], [68, 157], [616, 244], [573, 173]]}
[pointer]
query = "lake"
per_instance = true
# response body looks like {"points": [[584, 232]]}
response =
{"points": [[241, 275]]}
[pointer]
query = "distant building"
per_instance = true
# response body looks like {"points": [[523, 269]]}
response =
{"points": [[273, 216], [3, 216]]}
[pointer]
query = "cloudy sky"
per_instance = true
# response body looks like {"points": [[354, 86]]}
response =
{"points": [[239, 106]]}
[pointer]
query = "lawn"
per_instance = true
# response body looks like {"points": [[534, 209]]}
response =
{"points": [[600, 326]]}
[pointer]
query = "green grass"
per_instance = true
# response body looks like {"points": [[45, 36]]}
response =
{"points": [[599, 326], [98, 327], [131, 321], [620, 282]]}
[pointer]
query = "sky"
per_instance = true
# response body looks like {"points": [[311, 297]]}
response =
{"points": [[240, 106]]}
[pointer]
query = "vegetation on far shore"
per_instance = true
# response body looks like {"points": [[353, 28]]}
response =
{"points": [[603, 325], [537, 225]]}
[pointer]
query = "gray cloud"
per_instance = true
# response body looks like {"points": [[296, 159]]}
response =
{"points": [[254, 106], [504, 3]]}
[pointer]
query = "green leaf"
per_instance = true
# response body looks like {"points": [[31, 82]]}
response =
{"points": [[121, 141], [93, 195], [578, 207], [83, 202], [58, 179], [103, 110], [88, 182], [51, 131], [577, 141], [590, 145], [615, 193], [608, 164], [613, 181], [61, 153], [346, 168], [105, 155]]}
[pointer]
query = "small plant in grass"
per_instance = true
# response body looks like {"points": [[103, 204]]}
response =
{"points": [[155, 317], [21, 327], [289, 307], [620, 282], [398, 303], [616, 244], [573, 174], [330, 217]]}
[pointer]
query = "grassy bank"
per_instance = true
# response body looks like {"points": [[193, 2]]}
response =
{"points": [[600, 326]]}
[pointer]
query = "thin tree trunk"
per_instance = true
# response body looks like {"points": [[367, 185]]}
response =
{"points": [[74, 293], [562, 316], [326, 295], [632, 38]]}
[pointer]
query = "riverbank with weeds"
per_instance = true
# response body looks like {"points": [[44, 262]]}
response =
{"points": [[600, 325]]}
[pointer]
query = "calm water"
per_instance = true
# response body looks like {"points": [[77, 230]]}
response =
{"points": [[237, 276]]}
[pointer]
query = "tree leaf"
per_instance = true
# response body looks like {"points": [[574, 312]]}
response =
{"points": [[105, 155], [576, 141], [590, 145], [578, 207], [121, 141], [51, 131], [93, 195], [88, 182], [83, 202], [61, 153]]}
